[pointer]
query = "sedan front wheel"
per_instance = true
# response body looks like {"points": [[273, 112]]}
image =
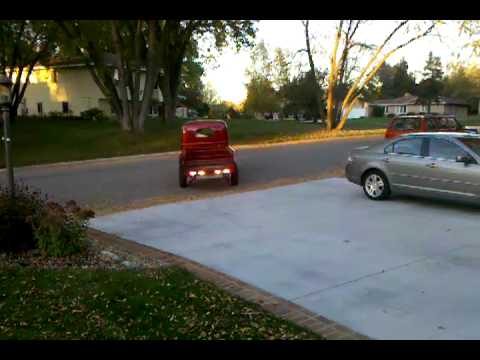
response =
{"points": [[375, 185]]}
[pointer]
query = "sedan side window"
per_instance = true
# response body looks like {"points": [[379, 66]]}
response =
{"points": [[444, 150], [408, 147], [447, 123], [389, 149], [432, 124], [405, 124]]}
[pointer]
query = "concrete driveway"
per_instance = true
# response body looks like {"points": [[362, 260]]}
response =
{"points": [[398, 269]]}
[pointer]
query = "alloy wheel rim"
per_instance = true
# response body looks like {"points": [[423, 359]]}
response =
{"points": [[374, 186]]}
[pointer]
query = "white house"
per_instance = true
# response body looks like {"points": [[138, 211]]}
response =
{"points": [[359, 110], [69, 88]]}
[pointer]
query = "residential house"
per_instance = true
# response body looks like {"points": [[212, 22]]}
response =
{"points": [[409, 103], [68, 87], [359, 110]]}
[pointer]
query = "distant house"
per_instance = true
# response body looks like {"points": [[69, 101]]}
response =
{"points": [[68, 87], [360, 109], [409, 103]]}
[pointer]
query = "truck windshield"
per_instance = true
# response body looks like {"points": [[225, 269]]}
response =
{"points": [[473, 144]]}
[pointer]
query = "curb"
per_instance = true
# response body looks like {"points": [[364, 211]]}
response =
{"points": [[284, 309], [172, 153]]}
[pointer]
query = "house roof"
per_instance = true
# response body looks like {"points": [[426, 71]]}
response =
{"points": [[75, 61], [409, 99], [108, 59]]}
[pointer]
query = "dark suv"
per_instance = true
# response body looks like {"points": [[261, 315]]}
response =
{"points": [[405, 124]]}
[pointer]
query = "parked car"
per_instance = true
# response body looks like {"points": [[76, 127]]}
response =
{"points": [[440, 164], [206, 153], [405, 124]]}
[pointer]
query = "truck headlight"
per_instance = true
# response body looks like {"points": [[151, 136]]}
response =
{"points": [[350, 159]]}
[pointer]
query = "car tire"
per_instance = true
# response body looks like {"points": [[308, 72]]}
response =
{"points": [[375, 185], [234, 177], [182, 178]]}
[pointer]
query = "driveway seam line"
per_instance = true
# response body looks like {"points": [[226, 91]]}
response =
{"points": [[423, 258]]}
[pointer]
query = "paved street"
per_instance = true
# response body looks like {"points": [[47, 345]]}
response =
{"points": [[398, 269], [122, 182]]}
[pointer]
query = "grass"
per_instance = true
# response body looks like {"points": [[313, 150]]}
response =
{"points": [[41, 141], [105, 304]]}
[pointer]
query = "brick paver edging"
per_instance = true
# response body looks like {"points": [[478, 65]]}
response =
{"points": [[279, 307]]}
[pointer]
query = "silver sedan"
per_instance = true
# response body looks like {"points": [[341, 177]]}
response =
{"points": [[445, 165]]}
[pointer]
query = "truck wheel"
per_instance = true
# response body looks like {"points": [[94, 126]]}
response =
{"points": [[234, 177], [182, 178]]}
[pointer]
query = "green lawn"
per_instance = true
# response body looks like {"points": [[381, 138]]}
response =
{"points": [[40, 141], [104, 304], [368, 123]]}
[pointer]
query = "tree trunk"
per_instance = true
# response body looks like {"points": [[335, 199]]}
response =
{"points": [[319, 102], [332, 80], [150, 76], [126, 116], [169, 86], [169, 107]]}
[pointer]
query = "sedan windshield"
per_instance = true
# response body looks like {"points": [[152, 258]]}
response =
{"points": [[473, 144]]}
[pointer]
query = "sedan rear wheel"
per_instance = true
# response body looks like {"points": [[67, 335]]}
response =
{"points": [[375, 185]]}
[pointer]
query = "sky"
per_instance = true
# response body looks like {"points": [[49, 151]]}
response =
{"points": [[227, 73]]}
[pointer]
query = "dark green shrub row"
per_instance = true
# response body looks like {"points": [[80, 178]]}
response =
{"points": [[93, 114]]}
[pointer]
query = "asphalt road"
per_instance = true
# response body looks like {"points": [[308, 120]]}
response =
{"points": [[123, 182]]}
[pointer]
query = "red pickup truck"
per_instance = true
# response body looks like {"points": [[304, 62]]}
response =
{"points": [[205, 153]]}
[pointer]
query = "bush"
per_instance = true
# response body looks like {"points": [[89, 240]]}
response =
{"points": [[16, 231], [61, 231], [378, 111], [94, 114], [30, 221]]}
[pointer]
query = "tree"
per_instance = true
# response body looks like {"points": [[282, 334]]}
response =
{"points": [[123, 59], [210, 95], [154, 50], [433, 68], [281, 68], [300, 96], [312, 74], [191, 86], [24, 44], [368, 71], [261, 96], [463, 82], [395, 80], [431, 86], [261, 65]]}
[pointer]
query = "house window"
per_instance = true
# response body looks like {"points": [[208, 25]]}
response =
{"points": [[403, 109], [40, 108], [65, 107]]}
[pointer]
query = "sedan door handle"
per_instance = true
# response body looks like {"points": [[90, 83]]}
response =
{"points": [[432, 165], [386, 159]]}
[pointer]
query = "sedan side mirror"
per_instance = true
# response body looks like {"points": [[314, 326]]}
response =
{"points": [[465, 159]]}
